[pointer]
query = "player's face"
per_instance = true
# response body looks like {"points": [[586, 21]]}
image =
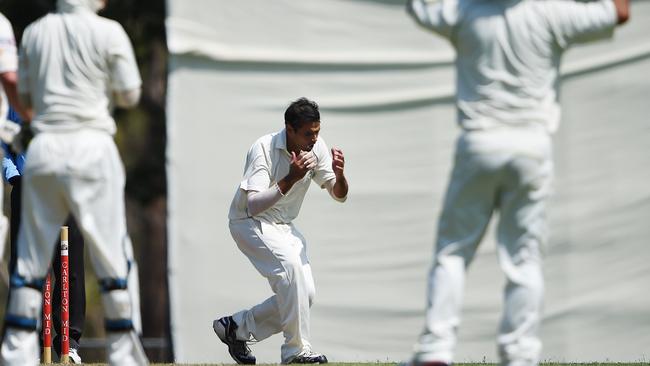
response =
{"points": [[304, 138]]}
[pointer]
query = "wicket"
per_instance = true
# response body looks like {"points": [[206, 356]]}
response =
{"points": [[65, 307]]}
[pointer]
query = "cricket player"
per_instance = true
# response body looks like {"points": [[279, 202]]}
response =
{"points": [[8, 95], [73, 67], [279, 169], [9, 81], [508, 55]]}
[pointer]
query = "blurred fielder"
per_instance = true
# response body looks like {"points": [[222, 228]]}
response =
{"points": [[507, 68], [8, 95], [279, 169], [9, 81], [73, 66]]}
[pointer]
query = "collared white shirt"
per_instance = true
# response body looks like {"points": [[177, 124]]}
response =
{"points": [[71, 64], [8, 60], [508, 53], [267, 163]]}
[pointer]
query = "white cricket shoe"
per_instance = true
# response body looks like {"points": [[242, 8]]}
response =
{"points": [[74, 356]]}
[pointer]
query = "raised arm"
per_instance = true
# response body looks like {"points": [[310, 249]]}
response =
{"points": [[339, 189]]}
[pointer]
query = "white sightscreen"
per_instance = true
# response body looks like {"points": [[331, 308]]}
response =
{"points": [[385, 89]]}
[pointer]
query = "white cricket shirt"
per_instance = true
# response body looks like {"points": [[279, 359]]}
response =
{"points": [[8, 59], [71, 63], [267, 163], [508, 53]]}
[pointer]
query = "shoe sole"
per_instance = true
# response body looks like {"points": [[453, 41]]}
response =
{"points": [[230, 352], [214, 328], [321, 361]]}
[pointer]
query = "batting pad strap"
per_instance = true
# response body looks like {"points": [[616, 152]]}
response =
{"points": [[118, 325], [18, 281], [111, 284], [21, 322]]}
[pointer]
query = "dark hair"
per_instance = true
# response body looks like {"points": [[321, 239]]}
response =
{"points": [[300, 112]]}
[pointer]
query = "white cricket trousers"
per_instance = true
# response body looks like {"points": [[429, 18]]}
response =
{"points": [[278, 252], [509, 171], [77, 172]]}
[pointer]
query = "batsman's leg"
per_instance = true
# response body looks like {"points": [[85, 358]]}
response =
{"points": [[97, 203], [112, 268], [43, 213]]}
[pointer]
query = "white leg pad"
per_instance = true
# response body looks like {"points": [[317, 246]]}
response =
{"points": [[20, 348], [25, 302], [117, 304]]}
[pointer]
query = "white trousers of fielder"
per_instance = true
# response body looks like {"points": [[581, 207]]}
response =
{"points": [[509, 171], [278, 252], [81, 173]]}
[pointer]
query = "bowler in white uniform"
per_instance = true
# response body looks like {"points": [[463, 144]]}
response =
{"points": [[508, 55], [74, 66], [279, 169]]}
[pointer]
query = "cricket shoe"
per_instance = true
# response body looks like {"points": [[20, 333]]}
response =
{"points": [[73, 351], [225, 329], [74, 356], [307, 356]]}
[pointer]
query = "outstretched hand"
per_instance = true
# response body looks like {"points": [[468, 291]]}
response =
{"points": [[338, 162]]}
